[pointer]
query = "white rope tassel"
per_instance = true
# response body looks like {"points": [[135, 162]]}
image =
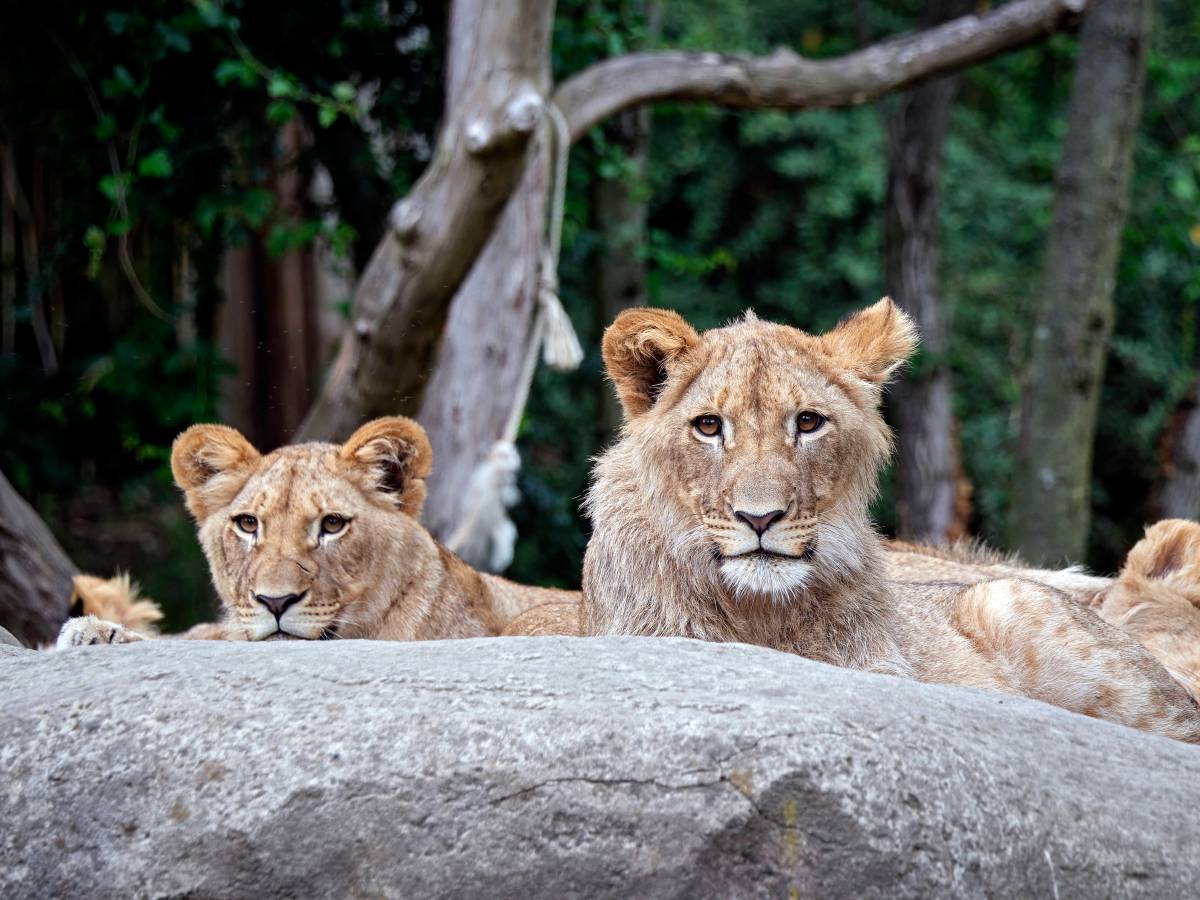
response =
{"points": [[486, 536], [560, 346]]}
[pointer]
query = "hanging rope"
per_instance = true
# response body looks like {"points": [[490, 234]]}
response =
{"points": [[486, 536]]}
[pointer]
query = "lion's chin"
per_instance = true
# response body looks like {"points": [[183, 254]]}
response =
{"points": [[766, 575]]}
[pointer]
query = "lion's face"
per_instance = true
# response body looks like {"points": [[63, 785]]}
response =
{"points": [[765, 441], [304, 543]]}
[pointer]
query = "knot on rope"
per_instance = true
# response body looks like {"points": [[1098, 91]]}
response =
{"points": [[486, 537]]}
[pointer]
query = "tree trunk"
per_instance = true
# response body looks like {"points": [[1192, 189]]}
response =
{"points": [[271, 302], [929, 503], [481, 362], [619, 210], [1179, 493], [498, 78], [1074, 316], [35, 573]]}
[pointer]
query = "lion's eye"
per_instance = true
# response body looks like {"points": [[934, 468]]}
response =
{"points": [[709, 426], [246, 524], [333, 524], [808, 421]]}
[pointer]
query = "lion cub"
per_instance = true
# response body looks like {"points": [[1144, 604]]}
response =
{"points": [[319, 541], [734, 507]]}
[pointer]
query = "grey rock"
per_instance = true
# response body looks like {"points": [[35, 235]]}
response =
{"points": [[7, 640], [616, 767]]}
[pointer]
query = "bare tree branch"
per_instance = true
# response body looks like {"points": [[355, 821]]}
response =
{"points": [[438, 230], [784, 80]]}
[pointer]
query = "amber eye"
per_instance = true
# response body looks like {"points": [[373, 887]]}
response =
{"points": [[808, 421], [333, 524], [709, 426], [246, 524]]}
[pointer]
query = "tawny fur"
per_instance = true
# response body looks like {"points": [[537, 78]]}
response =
{"points": [[1156, 598], [107, 611], [559, 618], [118, 599], [669, 554], [382, 577]]}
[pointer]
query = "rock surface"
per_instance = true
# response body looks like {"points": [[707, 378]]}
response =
{"points": [[549, 767]]}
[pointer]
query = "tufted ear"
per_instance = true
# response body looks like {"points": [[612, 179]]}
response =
{"points": [[211, 463], [397, 453], [873, 342], [638, 346]]}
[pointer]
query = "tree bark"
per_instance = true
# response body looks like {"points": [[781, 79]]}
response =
{"points": [[1179, 493], [481, 362], [267, 323], [468, 401], [619, 211], [35, 573], [497, 88], [930, 502], [1051, 503]]}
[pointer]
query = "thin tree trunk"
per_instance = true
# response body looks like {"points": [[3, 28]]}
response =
{"points": [[619, 211], [929, 503], [1051, 495], [1179, 493], [35, 573], [481, 361], [268, 323], [8, 270]]}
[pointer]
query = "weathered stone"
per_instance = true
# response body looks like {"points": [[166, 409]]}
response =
{"points": [[7, 640], [564, 768]]}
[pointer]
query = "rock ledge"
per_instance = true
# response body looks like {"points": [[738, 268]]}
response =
{"points": [[552, 767]]}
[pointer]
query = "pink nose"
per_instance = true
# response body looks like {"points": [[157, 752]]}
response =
{"points": [[760, 523]]}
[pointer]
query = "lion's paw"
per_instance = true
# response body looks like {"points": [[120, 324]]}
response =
{"points": [[86, 630]]}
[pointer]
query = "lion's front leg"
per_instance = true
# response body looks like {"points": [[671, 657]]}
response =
{"points": [[1053, 650], [88, 630]]}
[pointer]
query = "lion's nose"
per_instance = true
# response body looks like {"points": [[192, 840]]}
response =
{"points": [[279, 605], [760, 523]]}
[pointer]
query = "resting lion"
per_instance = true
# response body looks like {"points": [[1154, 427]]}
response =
{"points": [[734, 507], [320, 541], [1155, 599]]}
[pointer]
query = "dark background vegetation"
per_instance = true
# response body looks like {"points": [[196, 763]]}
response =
{"points": [[173, 128]]}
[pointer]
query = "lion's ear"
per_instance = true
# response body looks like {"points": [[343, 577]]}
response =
{"points": [[396, 451], [874, 342], [637, 349], [1170, 547], [211, 463]]}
